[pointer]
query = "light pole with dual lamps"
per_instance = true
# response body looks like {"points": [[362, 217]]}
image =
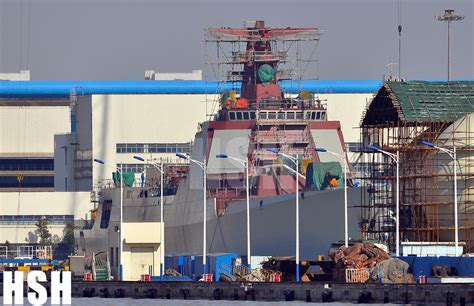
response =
{"points": [[396, 159], [295, 160], [344, 160], [245, 163], [120, 230], [202, 165], [160, 168], [452, 154]]}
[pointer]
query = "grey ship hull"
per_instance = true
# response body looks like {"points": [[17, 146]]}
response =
{"points": [[272, 223]]}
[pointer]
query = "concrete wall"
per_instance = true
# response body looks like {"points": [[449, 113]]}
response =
{"points": [[141, 119], [39, 203], [30, 130], [348, 109]]}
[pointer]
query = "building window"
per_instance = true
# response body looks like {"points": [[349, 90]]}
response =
{"points": [[33, 219], [154, 147], [135, 168], [27, 164]]}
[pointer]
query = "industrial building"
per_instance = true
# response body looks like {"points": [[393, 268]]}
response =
{"points": [[399, 118]]}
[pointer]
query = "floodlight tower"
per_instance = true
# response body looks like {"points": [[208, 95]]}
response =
{"points": [[449, 16]]}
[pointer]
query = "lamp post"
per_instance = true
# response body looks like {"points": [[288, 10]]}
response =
{"points": [[120, 232], [296, 162], [449, 16], [245, 163], [396, 159], [452, 154], [343, 159], [160, 168], [202, 165]]}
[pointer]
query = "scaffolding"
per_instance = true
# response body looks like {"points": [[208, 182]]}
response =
{"points": [[400, 116]]}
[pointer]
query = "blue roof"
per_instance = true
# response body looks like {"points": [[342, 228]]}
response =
{"points": [[50, 89]]}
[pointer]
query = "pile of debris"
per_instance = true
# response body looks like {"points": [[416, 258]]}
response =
{"points": [[372, 259], [358, 256]]}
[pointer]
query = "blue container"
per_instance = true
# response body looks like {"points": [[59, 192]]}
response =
{"points": [[424, 265]]}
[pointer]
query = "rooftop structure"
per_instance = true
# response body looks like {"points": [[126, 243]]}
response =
{"points": [[165, 76], [418, 101], [23, 75]]}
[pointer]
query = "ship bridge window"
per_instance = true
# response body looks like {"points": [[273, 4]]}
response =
{"points": [[323, 115], [232, 116], [281, 115], [246, 116], [290, 115], [272, 115], [308, 115], [252, 115], [299, 116], [262, 115], [318, 115], [239, 115], [153, 147], [313, 115]]}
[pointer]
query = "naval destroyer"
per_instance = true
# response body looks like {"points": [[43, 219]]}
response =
{"points": [[259, 126]]}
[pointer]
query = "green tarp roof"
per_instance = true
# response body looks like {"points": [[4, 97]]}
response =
{"points": [[420, 101]]}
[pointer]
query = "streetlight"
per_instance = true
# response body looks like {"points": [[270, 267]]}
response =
{"points": [[202, 165], [245, 163], [452, 154], [343, 159], [162, 238], [449, 16], [396, 159], [120, 232], [296, 162]]}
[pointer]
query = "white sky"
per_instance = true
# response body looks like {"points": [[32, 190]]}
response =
{"points": [[118, 39]]}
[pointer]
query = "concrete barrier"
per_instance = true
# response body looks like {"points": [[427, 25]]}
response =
{"points": [[427, 294]]}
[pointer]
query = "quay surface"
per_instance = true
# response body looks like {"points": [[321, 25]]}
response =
{"points": [[424, 294]]}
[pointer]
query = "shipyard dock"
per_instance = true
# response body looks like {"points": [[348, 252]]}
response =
{"points": [[427, 294]]}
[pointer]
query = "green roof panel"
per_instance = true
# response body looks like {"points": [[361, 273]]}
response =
{"points": [[420, 101]]}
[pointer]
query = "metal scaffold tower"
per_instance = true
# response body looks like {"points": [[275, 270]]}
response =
{"points": [[399, 118]]}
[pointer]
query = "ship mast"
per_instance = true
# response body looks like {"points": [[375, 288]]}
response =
{"points": [[258, 66]]}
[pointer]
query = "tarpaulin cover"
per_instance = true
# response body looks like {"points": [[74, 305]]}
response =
{"points": [[265, 73], [322, 173], [128, 179]]}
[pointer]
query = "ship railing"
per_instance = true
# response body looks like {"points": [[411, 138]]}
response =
{"points": [[240, 57], [26, 251]]}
